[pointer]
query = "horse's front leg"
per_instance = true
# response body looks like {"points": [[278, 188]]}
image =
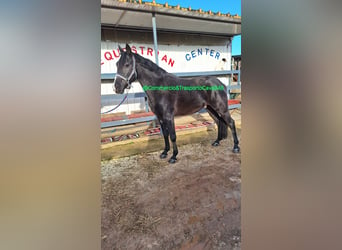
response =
{"points": [[165, 132], [171, 126]]}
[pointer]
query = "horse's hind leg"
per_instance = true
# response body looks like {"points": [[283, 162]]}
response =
{"points": [[217, 141], [231, 123], [221, 126]]}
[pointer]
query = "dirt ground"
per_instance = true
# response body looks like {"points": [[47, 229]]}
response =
{"points": [[148, 203]]}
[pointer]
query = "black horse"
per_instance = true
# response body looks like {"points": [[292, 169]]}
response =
{"points": [[167, 97]]}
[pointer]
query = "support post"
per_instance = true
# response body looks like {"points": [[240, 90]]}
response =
{"points": [[154, 27], [230, 66]]}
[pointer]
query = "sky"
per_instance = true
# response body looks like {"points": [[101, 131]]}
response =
{"points": [[224, 6]]}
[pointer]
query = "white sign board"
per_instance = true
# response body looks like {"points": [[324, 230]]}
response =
{"points": [[172, 58]]}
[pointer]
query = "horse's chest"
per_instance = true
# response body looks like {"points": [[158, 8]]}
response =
{"points": [[151, 105], [160, 104]]}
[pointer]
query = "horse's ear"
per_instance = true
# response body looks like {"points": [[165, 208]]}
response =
{"points": [[128, 49], [121, 50]]}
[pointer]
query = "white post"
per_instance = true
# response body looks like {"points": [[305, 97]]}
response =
{"points": [[154, 26]]}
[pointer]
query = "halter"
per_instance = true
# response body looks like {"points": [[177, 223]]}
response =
{"points": [[134, 73]]}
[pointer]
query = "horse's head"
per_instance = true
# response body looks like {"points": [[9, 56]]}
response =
{"points": [[126, 71]]}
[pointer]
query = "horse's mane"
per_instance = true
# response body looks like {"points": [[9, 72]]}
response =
{"points": [[148, 64]]}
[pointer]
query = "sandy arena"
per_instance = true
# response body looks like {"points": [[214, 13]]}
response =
{"points": [[148, 203]]}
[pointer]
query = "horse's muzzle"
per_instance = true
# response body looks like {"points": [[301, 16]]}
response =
{"points": [[119, 91]]}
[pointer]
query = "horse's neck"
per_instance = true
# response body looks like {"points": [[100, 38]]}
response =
{"points": [[145, 81], [147, 77]]}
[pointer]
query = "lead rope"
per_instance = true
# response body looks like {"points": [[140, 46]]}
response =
{"points": [[125, 97]]}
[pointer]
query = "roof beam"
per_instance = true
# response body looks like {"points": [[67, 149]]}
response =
{"points": [[169, 12]]}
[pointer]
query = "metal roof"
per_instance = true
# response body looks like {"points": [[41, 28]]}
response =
{"points": [[137, 15]]}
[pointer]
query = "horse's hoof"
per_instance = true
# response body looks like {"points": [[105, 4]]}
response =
{"points": [[163, 155], [236, 149], [215, 143], [172, 160]]}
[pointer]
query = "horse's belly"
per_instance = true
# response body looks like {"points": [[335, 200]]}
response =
{"points": [[188, 109]]}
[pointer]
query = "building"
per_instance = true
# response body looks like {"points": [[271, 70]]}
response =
{"points": [[180, 40]]}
